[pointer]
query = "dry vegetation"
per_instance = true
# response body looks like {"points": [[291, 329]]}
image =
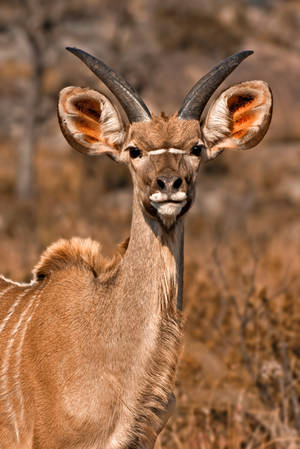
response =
{"points": [[239, 379]]}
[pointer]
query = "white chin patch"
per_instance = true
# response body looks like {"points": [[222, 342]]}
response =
{"points": [[169, 209]]}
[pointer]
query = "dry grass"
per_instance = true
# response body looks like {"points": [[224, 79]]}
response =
{"points": [[239, 377]]}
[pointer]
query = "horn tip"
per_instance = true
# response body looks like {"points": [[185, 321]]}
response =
{"points": [[74, 50], [234, 60], [81, 54], [245, 53]]}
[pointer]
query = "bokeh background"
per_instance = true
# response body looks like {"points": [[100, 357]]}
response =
{"points": [[238, 382]]}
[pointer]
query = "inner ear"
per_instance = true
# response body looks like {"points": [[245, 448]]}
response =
{"points": [[242, 111], [90, 122], [239, 117], [86, 118], [88, 107]]}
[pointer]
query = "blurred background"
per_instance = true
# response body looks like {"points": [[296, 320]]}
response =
{"points": [[238, 383]]}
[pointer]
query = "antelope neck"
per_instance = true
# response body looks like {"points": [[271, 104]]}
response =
{"points": [[154, 257]]}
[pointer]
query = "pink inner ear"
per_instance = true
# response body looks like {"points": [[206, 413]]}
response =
{"points": [[89, 128], [88, 107], [240, 107], [238, 104], [243, 124], [87, 120]]}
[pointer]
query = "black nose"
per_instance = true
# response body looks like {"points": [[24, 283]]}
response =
{"points": [[169, 184]]}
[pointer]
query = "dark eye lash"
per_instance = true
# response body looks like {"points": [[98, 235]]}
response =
{"points": [[197, 150], [134, 152]]}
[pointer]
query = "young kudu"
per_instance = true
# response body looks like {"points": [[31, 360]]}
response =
{"points": [[90, 347]]}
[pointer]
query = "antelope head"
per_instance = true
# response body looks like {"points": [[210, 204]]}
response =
{"points": [[164, 153]]}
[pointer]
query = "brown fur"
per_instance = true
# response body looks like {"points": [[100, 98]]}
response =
{"points": [[165, 132], [134, 376], [82, 253]]}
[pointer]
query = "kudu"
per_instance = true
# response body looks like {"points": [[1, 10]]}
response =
{"points": [[90, 347]]}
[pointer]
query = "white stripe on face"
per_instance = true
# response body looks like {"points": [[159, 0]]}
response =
{"points": [[163, 150], [155, 152], [176, 151]]}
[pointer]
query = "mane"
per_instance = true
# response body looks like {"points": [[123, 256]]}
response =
{"points": [[83, 253]]}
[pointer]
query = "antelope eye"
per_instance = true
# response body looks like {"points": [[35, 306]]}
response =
{"points": [[197, 150], [135, 152]]}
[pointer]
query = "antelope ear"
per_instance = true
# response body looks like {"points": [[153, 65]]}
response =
{"points": [[90, 122], [239, 118]]}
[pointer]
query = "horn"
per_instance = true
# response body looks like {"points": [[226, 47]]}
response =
{"points": [[132, 104], [198, 96]]}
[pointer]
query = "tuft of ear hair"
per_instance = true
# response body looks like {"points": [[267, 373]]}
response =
{"points": [[239, 118], [90, 122]]}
